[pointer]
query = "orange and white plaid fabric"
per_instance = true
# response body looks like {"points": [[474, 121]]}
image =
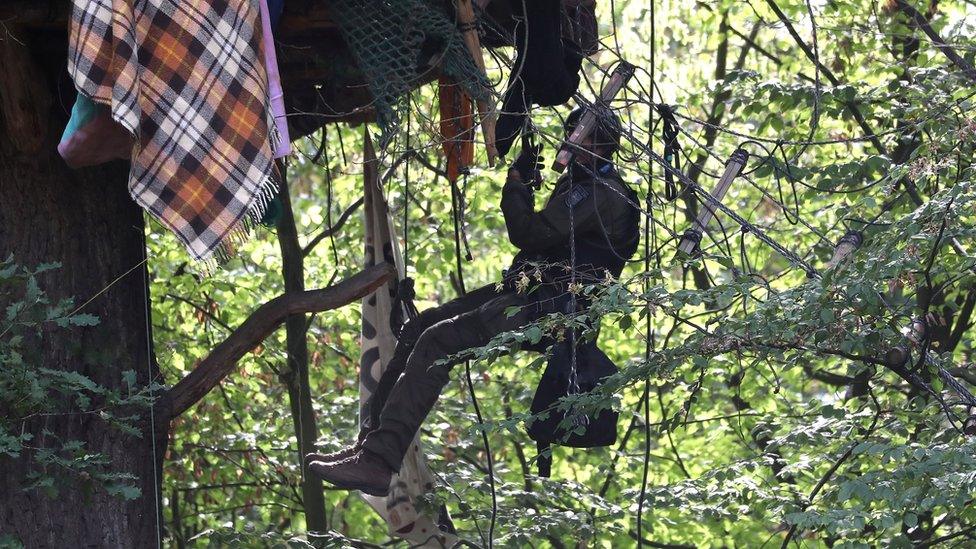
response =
{"points": [[187, 78]]}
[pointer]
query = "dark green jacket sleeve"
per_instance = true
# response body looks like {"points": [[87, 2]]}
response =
{"points": [[533, 231]]}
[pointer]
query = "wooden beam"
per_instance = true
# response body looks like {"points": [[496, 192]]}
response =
{"points": [[34, 13]]}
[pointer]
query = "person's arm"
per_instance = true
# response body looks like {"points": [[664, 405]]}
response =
{"points": [[532, 231]]}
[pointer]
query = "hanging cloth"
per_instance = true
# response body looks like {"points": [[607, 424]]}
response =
{"points": [[399, 508], [546, 71], [457, 127], [276, 97], [188, 81], [92, 137]]}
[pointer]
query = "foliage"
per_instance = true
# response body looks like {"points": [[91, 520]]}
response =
{"points": [[30, 391], [764, 405]]}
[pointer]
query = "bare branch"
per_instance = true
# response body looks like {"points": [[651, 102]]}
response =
{"points": [[333, 229], [221, 361]]}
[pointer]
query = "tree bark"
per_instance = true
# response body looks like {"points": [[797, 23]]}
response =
{"points": [[85, 220], [217, 365], [295, 374]]}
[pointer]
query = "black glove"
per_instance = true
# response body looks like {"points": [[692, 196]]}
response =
{"points": [[529, 164]]}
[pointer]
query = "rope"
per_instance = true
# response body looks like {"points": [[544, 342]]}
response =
{"points": [[455, 214], [405, 293], [672, 151]]}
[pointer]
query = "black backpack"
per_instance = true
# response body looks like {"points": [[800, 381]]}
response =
{"points": [[592, 366]]}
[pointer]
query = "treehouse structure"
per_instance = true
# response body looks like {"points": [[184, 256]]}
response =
{"points": [[86, 220]]}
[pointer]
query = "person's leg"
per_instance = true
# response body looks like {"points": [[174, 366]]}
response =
{"points": [[411, 332], [428, 366]]}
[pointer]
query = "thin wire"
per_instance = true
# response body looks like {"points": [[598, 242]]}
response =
{"points": [[406, 196], [646, 283], [815, 117], [149, 380], [839, 141], [573, 382]]}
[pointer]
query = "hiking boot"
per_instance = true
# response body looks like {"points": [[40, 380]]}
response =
{"points": [[363, 471]]}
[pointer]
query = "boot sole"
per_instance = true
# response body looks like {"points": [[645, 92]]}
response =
{"points": [[366, 490], [306, 462]]}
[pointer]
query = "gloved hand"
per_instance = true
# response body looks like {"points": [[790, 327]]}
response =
{"points": [[529, 165]]}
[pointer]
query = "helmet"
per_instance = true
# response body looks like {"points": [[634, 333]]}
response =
{"points": [[607, 131]]}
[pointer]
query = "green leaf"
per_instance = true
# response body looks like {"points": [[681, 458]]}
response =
{"points": [[84, 319]]}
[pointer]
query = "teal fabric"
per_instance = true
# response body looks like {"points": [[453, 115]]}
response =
{"points": [[83, 111], [272, 213]]}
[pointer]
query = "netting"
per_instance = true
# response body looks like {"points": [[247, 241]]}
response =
{"points": [[396, 43]]}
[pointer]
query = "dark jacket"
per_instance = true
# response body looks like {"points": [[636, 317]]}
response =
{"points": [[600, 210]]}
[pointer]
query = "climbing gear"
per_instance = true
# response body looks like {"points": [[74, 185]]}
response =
{"points": [[403, 305], [528, 164], [591, 116]]}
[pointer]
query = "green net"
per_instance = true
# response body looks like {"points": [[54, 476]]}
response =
{"points": [[397, 44]]}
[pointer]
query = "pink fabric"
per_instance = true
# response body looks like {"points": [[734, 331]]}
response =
{"points": [[275, 96]]}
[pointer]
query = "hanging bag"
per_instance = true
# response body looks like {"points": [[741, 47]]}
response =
{"points": [[592, 367]]}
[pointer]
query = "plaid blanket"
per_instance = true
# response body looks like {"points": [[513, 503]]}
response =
{"points": [[188, 79]]}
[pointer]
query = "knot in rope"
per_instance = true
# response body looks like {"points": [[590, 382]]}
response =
{"points": [[672, 150], [403, 307], [405, 290]]}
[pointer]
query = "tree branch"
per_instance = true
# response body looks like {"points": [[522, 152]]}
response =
{"points": [[919, 21], [851, 107], [333, 229], [962, 321], [221, 361]]}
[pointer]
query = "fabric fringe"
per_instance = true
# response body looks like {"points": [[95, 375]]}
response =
{"points": [[241, 232], [239, 235]]}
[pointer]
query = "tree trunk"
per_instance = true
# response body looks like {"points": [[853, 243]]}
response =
{"points": [[86, 221], [296, 373]]}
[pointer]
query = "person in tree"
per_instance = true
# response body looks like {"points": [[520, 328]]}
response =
{"points": [[590, 207]]}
